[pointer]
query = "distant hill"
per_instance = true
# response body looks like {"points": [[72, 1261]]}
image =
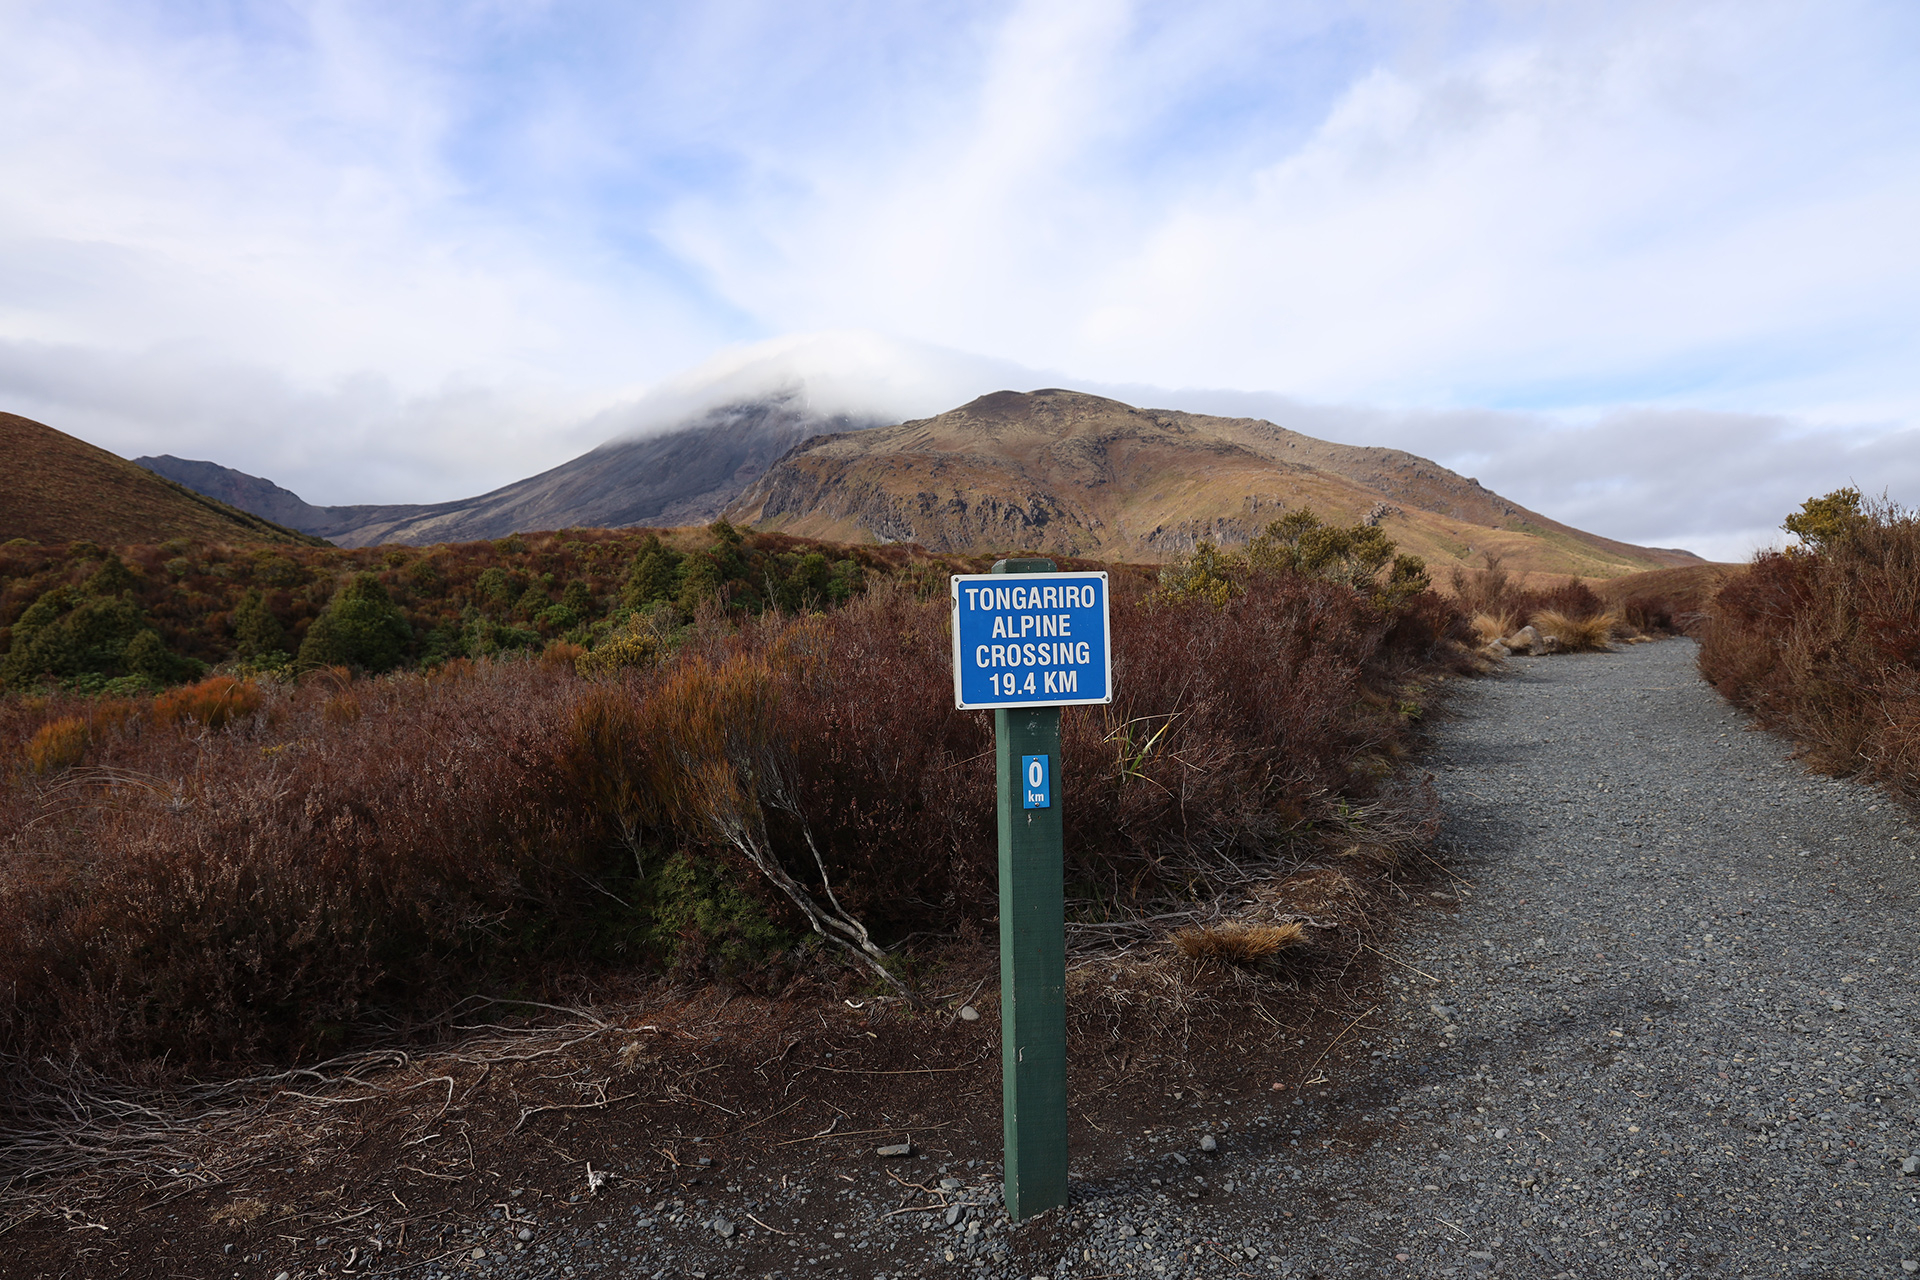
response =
{"points": [[61, 489], [238, 489], [1054, 471], [685, 476], [1067, 473]]}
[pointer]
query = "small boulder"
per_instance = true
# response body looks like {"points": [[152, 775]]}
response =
{"points": [[1525, 640]]}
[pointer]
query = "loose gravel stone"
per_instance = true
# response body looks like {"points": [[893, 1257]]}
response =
{"points": [[1679, 1038]]}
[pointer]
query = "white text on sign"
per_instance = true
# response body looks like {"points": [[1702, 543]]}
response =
{"points": [[1036, 641]]}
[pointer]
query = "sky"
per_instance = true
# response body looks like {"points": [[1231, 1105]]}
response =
{"points": [[1648, 268]]}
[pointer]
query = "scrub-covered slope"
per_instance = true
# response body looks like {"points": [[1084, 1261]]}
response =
{"points": [[61, 489], [1062, 472]]}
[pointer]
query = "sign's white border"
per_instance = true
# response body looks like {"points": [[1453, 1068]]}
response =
{"points": [[1028, 579]]}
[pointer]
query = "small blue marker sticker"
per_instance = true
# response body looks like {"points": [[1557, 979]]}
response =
{"points": [[1035, 789]]}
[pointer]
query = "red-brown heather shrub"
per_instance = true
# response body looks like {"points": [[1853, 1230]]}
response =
{"points": [[1822, 645], [275, 888]]}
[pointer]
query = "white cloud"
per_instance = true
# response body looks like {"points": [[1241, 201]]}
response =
{"points": [[1707, 202], [863, 375], [353, 439], [391, 253]]}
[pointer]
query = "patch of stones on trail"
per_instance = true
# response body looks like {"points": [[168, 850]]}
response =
{"points": [[1658, 1019]]}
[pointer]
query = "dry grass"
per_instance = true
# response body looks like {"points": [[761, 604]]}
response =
{"points": [[1588, 634], [59, 744], [239, 1213], [1239, 943], [1575, 618], [1666, 601], [213, 703], [1489, 627]]}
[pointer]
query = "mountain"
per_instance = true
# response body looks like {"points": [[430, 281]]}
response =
{"points": [[61, 489], [238, 489], [1073, 474], [684, 476]]}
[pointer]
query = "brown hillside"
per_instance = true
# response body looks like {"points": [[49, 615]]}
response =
{"points": [[1686, 589], [1067, 473], [60, 489]]}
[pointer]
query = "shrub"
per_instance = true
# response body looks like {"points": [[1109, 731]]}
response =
{"points": [[256, 631], [360, 851], [1299, 543], [212, 703], [1569, 611], [360, 628], [341, 708], [1822, 643], [64, 634], [1652, 614], [63, 742], [631, 648]]}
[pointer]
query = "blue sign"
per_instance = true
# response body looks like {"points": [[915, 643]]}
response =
{"points": [[1031, 640], [1036, 792]]}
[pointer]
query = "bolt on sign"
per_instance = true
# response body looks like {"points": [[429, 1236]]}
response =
{"points": [[1028, 640]]}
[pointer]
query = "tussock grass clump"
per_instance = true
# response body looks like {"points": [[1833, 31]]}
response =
{"points": [[1569, 618], [212, 703], [1588, 634], [1488, 627], [64, 742], [59, 744], [1243, 944]]}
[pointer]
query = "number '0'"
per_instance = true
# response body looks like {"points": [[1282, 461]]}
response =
{"points": [[1036, 774]]}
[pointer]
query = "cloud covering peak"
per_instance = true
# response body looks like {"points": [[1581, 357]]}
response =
{"points": [[390, 253]]}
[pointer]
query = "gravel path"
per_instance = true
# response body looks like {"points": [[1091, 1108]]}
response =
{"points": [[1667, 1025]]}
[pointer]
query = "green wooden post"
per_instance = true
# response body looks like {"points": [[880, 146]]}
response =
{"points": [[1033, 958]]}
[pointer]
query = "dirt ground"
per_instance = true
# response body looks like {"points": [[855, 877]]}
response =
{"points": [[390, 1163]]}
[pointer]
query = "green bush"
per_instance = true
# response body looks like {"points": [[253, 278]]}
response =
{"points": [[654, 575], [65, 636], [700, 915], [255, 630], [1360, 556], [361, 628]]}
